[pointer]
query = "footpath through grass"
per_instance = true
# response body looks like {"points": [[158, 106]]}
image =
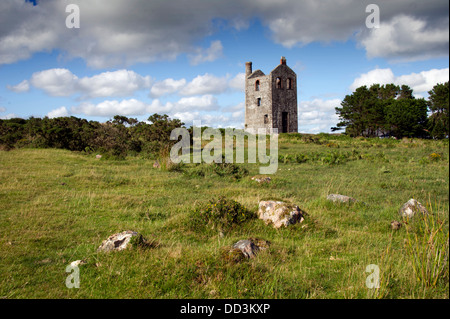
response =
{"points": [[57, 206]]}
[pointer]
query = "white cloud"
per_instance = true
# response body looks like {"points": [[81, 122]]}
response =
{"points": [[205, 84], [167, 86], [208, 119], [117, 83], [238, 82], [420, 82], [2, 109], [23, 86], [424, 81], [59, 112], [210, 54], [55, 82], [133, 107], [8, 116], [205, 102], [62, 82], [317, 115], [407, 38], [381, 76], [109, 108]]}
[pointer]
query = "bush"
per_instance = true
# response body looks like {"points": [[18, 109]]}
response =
{"points": [[221, 214]]}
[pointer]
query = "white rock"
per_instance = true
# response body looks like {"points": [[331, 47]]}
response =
{"points": [[411, 208], [117, 241], [340, 198], [279, 213]]}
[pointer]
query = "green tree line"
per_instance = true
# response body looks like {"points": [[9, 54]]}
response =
{"points": [[392, 110], [117, 137]]}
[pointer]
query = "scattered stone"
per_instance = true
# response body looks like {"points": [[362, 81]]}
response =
{"points": [[250, 247], [412, 207], [261, 179], [395, 225], [280, 213], [337, 198], [77, 263], [98, 156], [45, 261], [117, 241], [156, 164]]}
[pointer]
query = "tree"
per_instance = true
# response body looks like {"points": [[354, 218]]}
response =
{"points": [[407, 117], [438, 103], [363, 113]]}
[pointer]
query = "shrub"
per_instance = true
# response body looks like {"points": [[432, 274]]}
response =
{"points": [[221, 213]]}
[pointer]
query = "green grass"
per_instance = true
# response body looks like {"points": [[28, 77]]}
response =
{"points": [[57, 207]]}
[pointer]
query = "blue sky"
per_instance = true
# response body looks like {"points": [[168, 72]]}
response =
{"points": [[186, 58]]}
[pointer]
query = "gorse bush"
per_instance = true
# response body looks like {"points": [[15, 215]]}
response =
{"points": [[221, 213]]}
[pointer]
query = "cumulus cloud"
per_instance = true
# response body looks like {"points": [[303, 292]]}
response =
{"points": [[117, 83], [62, 82], [59, 112], [55, 82], [210, 54], [23, 86], [134, 107], [420, 82], [381, 76], [317, 115], [167, 86], [238, 82], [205, 84], [131, 107], [114, 33], [407, 38]]}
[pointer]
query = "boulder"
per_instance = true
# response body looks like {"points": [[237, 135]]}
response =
{"points": [[279, 213], [261, 179], [411, 208], [118, 241], [337, 198], [250, 247], [77, 263]]}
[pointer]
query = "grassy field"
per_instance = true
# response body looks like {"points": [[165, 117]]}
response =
{"points": [[57, 206]]}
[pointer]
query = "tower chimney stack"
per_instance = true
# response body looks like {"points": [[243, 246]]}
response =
{"points": [[248, 68], [283, 60]]}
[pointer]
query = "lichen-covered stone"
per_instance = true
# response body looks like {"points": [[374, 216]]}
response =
{"points": [[118, 241], [250, 247], [337, 198], [411, 208], [261, 179], [279, 213]]}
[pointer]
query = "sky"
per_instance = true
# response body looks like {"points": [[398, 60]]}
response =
{"points": [[186, 58]]}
